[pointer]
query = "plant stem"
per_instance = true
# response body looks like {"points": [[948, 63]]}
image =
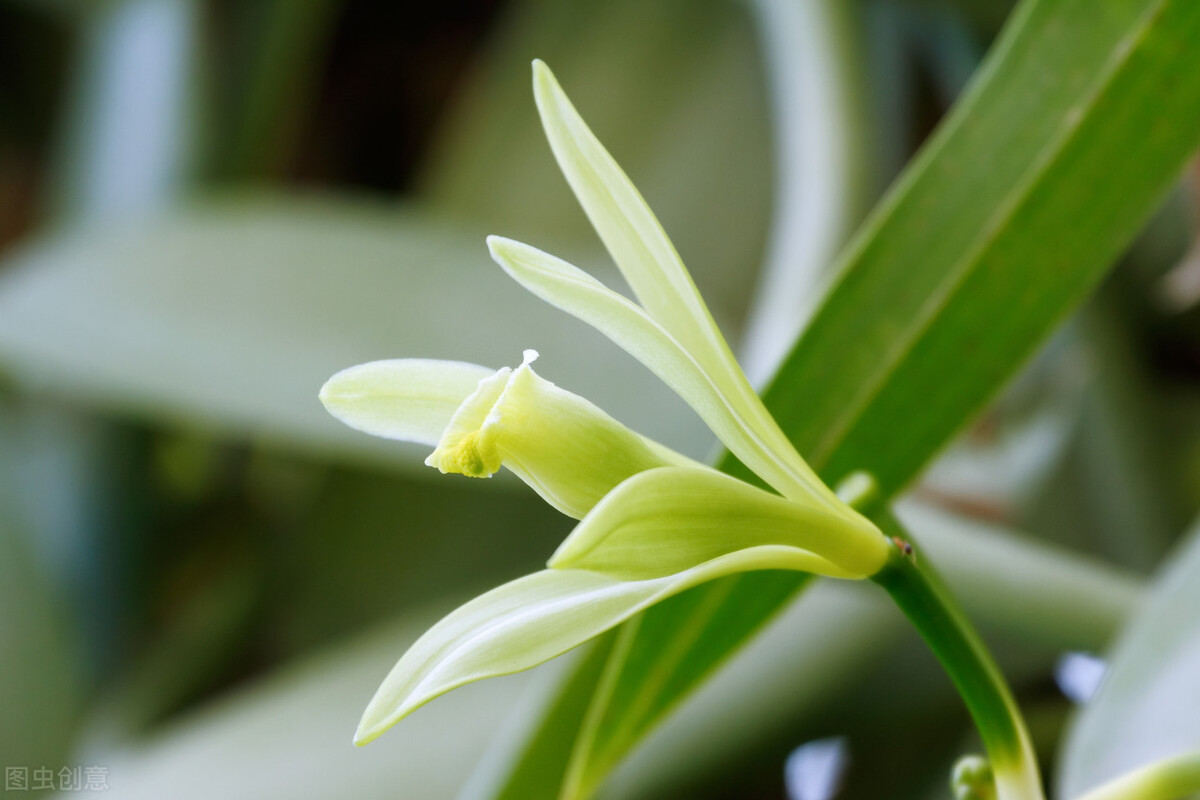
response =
{"points": [[1169, 779], [915, 587], [1007, 581]]}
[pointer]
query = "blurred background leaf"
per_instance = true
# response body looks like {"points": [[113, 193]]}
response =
{"points": [[207, 207], [1143, 711], [231, 314]]}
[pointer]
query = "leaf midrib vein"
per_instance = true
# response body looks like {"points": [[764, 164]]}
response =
{"points": [[1121, 51]]}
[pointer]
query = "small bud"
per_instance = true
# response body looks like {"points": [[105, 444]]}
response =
{"points": [[563, 446], [972, 779]]}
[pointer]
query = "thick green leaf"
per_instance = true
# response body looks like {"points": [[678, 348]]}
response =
{"points": [[531, 759], [232, 314], [1146, 707], [1027, 193]]}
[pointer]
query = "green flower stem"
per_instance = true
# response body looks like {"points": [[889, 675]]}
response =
{"points": [[915, 587], [1007, 581], [1170, 779]]}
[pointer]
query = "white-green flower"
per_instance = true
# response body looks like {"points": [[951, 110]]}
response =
{"points": [[563, 446], [652, 522]]}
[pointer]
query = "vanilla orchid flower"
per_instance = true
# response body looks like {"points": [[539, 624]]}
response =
{"points": [[568, 450], [652, 522]]}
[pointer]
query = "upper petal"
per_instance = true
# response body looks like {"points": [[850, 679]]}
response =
{"points": [[410, 399], [625, 223], [761, 447], [650, 264]]}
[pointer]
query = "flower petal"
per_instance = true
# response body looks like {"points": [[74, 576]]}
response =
{"points": [[763, 448], [566, 448], [527, 622], [671, 519], [628, 227], [650, 264], [410, 399]]}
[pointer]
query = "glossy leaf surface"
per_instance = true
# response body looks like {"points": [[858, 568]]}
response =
{"points": [[950, 286]]}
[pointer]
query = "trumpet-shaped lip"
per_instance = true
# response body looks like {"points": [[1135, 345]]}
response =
{"points": [[468, 445]]}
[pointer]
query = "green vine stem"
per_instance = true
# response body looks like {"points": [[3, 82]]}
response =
{"points": [[915, 587], [1169, 779]]}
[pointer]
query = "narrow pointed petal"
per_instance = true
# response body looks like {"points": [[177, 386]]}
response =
{"points": [[671, 519], [527, 622], [640, 247], [762, 448], [625, 223], [412, 400]]}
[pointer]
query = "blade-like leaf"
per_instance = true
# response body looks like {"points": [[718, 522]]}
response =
{"points": [[574, 291], [1009, 216], [668, 520], [411, 400], [1013, 211], [1146, 707], [231, 314]]}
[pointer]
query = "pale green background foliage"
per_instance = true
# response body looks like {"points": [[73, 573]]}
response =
{"points": [[207, 208]]}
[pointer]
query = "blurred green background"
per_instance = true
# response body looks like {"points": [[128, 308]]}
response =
{"points": [[208, 207]]}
